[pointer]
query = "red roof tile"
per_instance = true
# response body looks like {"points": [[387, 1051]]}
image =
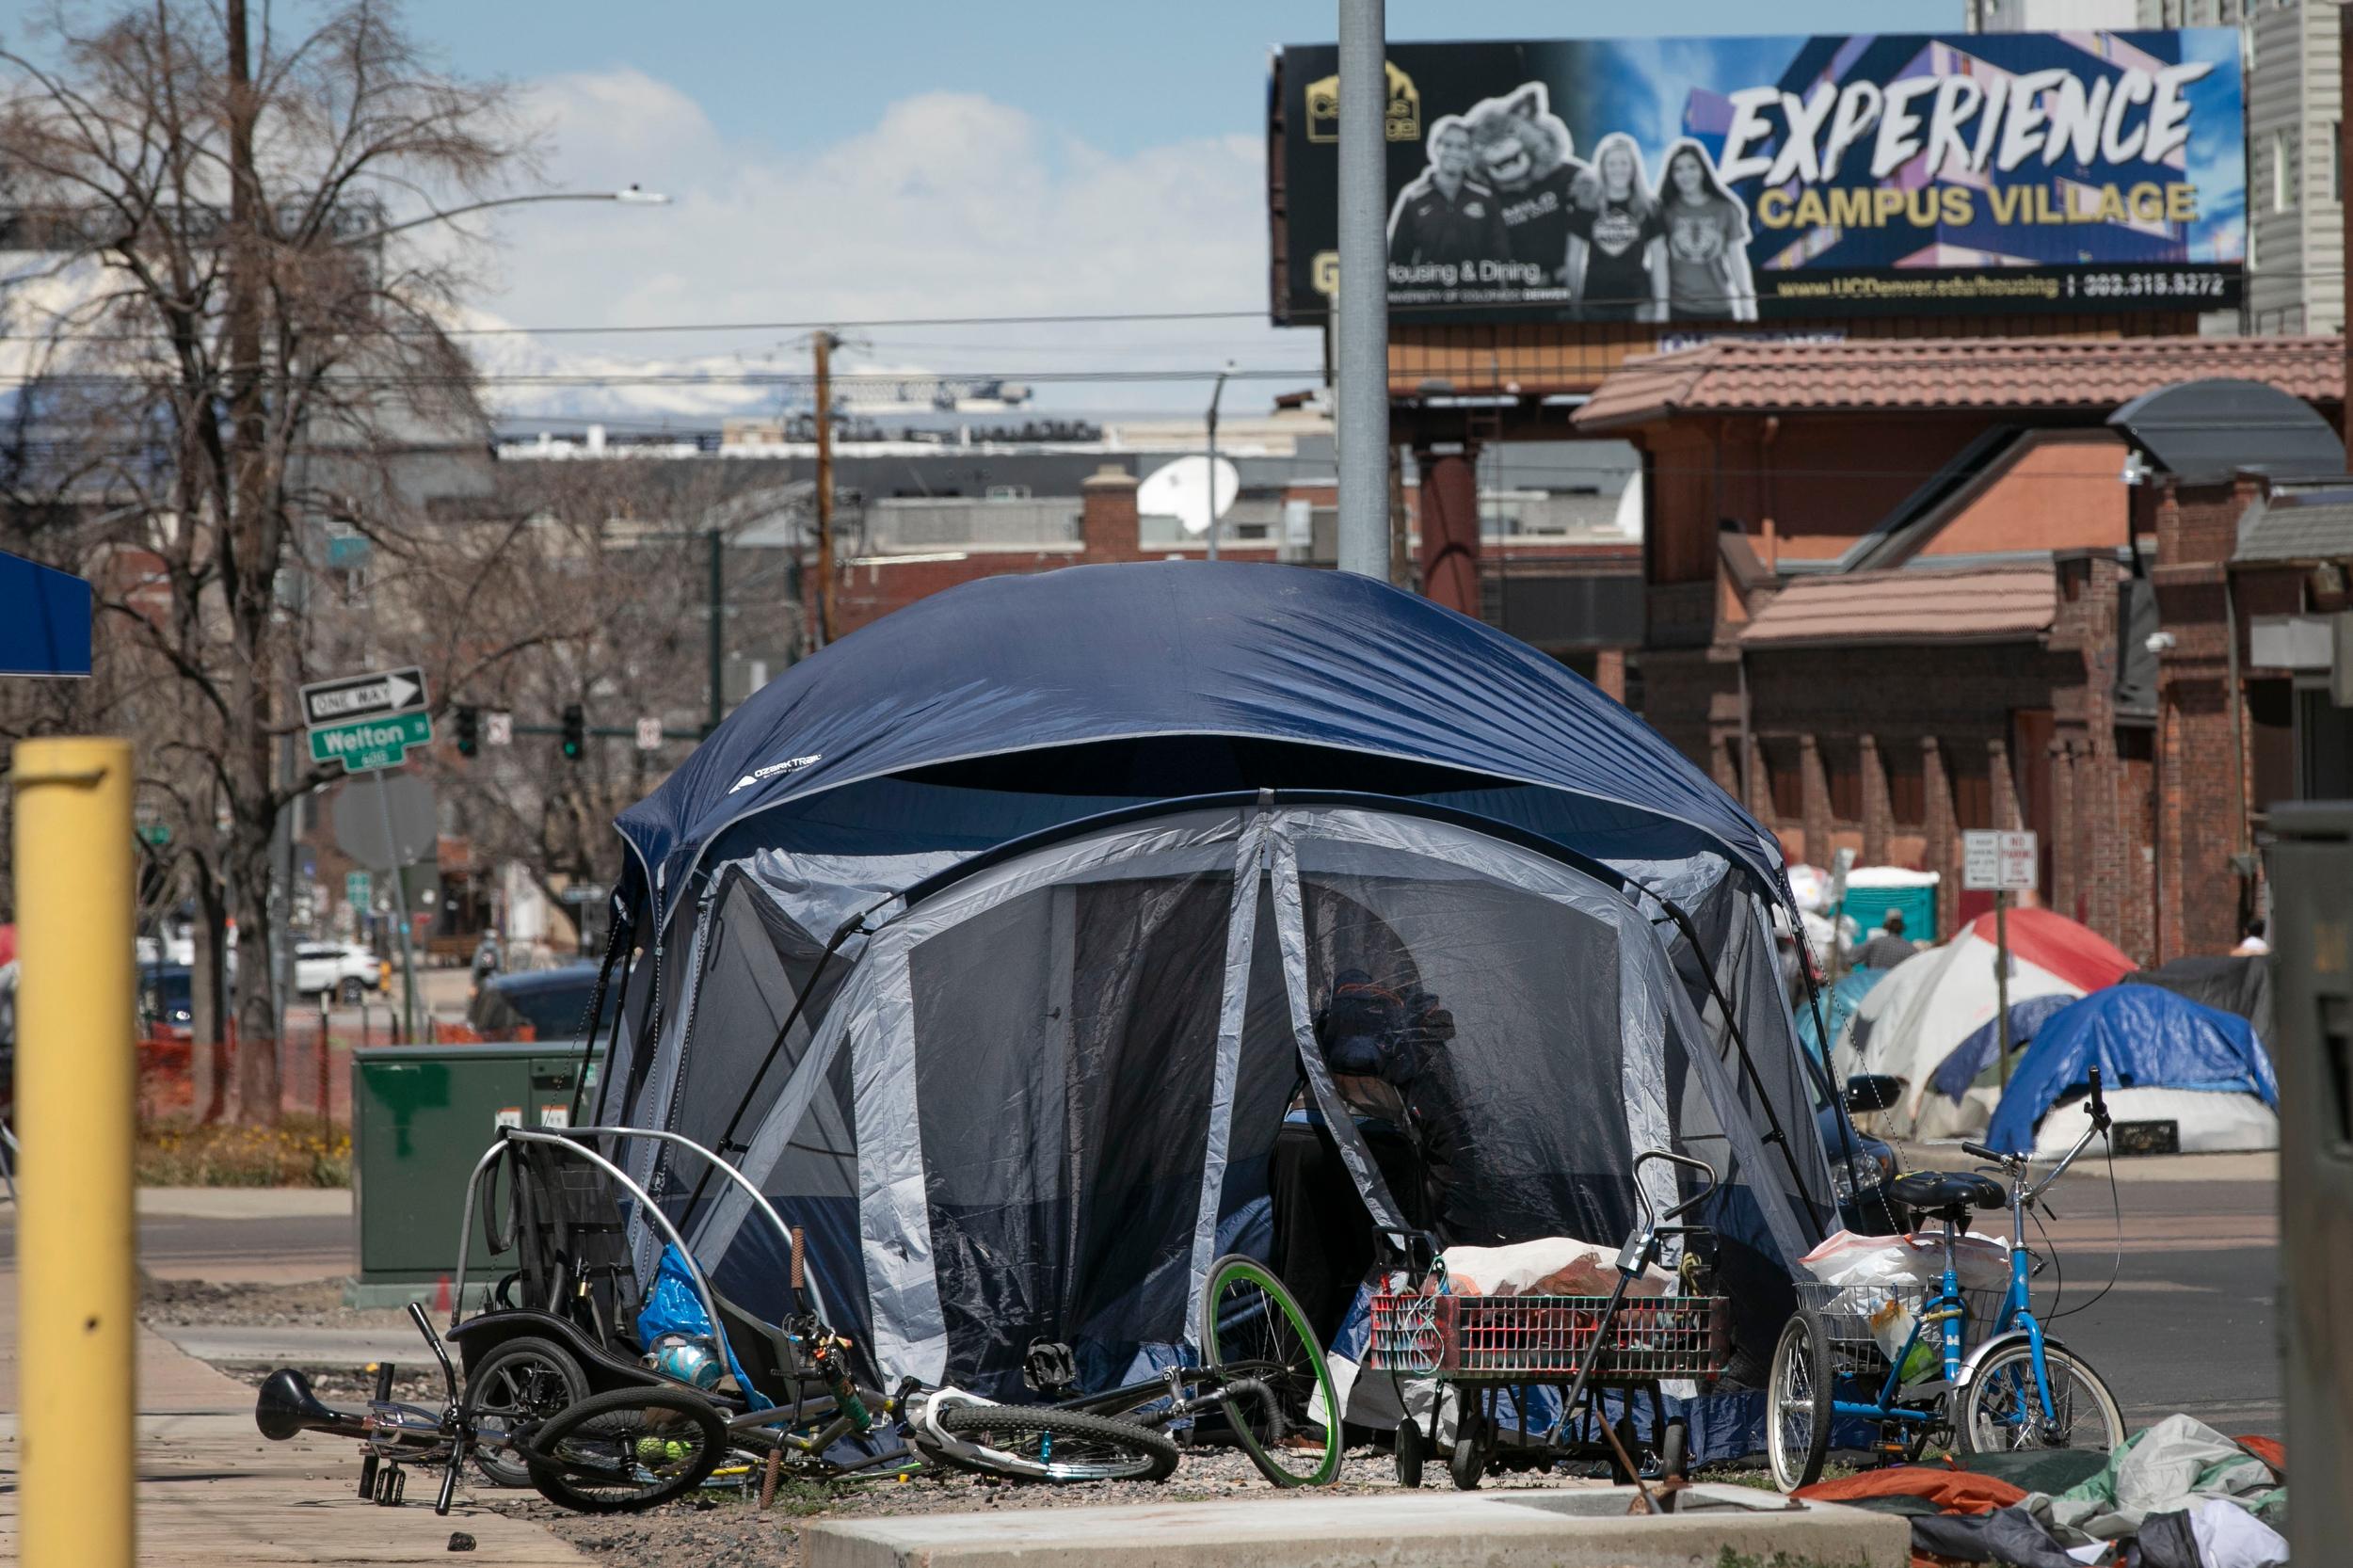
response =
{"points": [[1985, 605], [1734, 374]]}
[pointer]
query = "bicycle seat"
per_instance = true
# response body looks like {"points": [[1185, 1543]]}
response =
{"points": [[1938, 1191]]}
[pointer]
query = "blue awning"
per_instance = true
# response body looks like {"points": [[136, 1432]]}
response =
{"points": [[44, 620]]}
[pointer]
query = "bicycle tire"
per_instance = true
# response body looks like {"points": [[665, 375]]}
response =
{"points": [[1989, 1418], [518, 1385], [1019, 1443], [1796, 1401], [592, 1456], [1249, 1326]]}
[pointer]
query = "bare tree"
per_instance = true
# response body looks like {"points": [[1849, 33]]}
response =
{"points": [[250, 357]]}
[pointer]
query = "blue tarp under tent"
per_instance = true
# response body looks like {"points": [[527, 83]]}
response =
{"points": [[995, 941], [2162, 1058]]}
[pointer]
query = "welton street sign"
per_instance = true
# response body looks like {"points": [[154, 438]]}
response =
{"points": [[367, 721], [363, 744]]}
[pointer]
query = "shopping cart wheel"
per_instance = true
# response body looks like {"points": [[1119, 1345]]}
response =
{"points": [[1674, 1444], [1412, 1448], [1469, 1462]]}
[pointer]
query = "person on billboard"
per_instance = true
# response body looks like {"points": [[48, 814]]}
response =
{"points": [[1523, 152], [1617, 265], [1446, 217], [1706, 233]]}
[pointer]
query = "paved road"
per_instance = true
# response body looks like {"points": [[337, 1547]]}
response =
{"points": [[2189, 1325]]}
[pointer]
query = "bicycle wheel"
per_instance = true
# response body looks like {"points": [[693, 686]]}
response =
{"points": [[1796, 1401], [631, 1449], [521, 1383], [2002, 1410], [1251, 1328], [1027, 1442]]}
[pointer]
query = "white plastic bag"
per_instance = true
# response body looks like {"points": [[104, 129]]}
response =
{"points": [[1981, 1262], [1548, 1265]]}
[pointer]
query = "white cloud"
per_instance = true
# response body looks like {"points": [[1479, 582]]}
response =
{"points": [[949, 204]]}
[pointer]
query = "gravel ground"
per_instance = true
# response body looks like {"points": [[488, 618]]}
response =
{"points": [[722, 1527], [317, 1304], [725, 1530]]}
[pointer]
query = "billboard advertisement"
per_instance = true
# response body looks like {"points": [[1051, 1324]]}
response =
{"points": [[1731, 180]]}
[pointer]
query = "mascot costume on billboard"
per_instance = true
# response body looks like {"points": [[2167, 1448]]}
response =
{"points": [[1522, 150]]}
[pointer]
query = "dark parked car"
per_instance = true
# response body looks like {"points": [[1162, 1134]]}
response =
{"points": [[536, 1004], [167, 1001]]}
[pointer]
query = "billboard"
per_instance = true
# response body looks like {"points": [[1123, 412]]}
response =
{"points": [[1728, 180]]}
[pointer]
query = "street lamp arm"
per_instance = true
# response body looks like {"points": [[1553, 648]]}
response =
{"points": [[631, 194]]}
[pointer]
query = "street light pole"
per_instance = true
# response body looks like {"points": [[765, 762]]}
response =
{"points": [[1216, 393], [631, 195]]}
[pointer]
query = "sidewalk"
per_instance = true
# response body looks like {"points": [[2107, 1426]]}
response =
{"points": [[212, 1491]]}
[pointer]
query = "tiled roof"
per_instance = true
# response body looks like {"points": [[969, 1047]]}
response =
{"points": [[2293, 525], [1735, 375], [1987, 604]]}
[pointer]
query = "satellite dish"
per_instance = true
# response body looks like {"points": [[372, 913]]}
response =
{"points": [[1182, 490]]}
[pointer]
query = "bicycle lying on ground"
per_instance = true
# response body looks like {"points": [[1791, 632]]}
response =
{"points": [[2014, 1388]]}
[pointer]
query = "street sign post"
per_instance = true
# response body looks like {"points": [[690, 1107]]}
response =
{"points": [[360, 891], [648, 734], [368, 723], [497, 729], [2006, 863]]}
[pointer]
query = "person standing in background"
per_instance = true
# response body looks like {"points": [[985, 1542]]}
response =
{"points": [[1617, 261]]}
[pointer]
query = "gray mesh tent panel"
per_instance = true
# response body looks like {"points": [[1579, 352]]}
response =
{"points": [[1037, 1101]]}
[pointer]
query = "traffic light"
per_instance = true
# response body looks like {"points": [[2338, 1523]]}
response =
{"points": [[575, 732], [469, 732]]}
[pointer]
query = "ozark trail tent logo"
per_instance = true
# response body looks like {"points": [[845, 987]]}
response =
{"points": [[772, 769]]}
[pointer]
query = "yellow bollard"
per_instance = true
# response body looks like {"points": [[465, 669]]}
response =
{"points": [[76, 1093]]}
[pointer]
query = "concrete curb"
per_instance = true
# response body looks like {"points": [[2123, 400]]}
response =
{"points": [[1568, 1528]]}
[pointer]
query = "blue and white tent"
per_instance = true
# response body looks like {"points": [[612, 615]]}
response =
{"points": [[2162, 1058], [993, 940]]}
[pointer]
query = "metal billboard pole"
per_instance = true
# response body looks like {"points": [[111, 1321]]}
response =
{"points": [[1362, 421]]}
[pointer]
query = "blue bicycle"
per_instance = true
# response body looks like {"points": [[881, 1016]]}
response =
{"points": [[2008, 1387]]}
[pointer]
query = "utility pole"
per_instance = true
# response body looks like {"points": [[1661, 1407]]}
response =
{"points": [[823, 344], [1362, 400], [2345, 203], [1216, 394], [717, 604]]}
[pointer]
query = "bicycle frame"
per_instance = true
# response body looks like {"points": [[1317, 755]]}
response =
{"points": [[1947, 1311]]}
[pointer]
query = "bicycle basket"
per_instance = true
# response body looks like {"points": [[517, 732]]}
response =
{"points": [[1846, 1312], [1551, 1337]]}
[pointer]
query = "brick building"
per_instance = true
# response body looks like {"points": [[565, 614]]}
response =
{"points": [[1895, 591], [2249, 578]]}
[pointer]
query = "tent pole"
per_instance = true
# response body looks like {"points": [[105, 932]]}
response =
{"points": [[1723, 1004], [719, 1150], [613, 946]]}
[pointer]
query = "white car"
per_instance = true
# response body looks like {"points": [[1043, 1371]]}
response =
{"points": [[345, 970]]}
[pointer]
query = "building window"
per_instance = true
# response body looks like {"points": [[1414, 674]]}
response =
{"points": [[1842, 763], [1907, 785], [2282, 171], [1972, 788], [1784, 780]]}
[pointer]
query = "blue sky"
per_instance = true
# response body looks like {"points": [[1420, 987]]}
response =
{"points": [[1121, 74]]}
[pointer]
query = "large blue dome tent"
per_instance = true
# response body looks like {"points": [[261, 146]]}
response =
{"points": [[992, 941]]}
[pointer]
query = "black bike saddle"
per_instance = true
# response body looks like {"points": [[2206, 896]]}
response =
{"points": [[1936, 1192]]}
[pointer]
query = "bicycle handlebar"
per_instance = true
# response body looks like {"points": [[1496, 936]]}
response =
{"points": [[1707, 1173], [2099, 1106], [1981, 1152]]}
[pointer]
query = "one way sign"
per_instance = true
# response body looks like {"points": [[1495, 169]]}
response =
{"points": [[361, 696]]}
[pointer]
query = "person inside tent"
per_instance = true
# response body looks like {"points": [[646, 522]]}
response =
{"points": [[1888, 946], [1386, 1050]]}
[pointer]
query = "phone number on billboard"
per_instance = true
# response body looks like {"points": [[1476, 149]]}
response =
{"points": [[2147, 285]]}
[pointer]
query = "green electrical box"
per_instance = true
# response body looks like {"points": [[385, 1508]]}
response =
{"points": [[422, 1115]]}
